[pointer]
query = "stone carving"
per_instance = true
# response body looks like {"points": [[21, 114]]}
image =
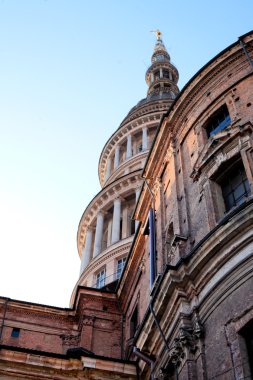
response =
{"points": [[142, 266], [185, 342], [70, 340]]}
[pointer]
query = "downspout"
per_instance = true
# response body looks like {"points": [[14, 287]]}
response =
{"points": [[152, 247], [3, 318], [146, 359], [245, 51]]}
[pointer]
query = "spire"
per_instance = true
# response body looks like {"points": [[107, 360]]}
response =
{"points": [[161, 76]]}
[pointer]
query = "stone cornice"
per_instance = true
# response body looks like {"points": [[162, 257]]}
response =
{"points": [[25, 363]]}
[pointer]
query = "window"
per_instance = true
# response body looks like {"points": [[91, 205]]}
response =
{"points": [[120, 266], [218, 121], [235, 186], [159, 57], [246, 348], [139, 148], [134, 322], [15, 332], [157, 75], [100, 281], [166, 74]]}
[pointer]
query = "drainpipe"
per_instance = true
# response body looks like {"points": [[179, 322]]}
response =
{"points": [[146, 359], [152, 247], [245, 51], [3, 318]]}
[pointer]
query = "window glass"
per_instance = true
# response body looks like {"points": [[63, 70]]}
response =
{"points": [[100, 281], [120, 266], [218, 121], [235, 186], [15, 332]]}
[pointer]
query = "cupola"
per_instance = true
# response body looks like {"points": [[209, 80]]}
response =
{"points": [[161, 76]]}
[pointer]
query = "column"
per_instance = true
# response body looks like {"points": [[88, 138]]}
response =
{"points": [[116, 220], [144, 138], [129, 147], [137, 194], [109, 233], [98, 234], [116, 157], [108, 169], [125, 224], [86, 251]]}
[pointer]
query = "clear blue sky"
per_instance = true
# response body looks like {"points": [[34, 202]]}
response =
{"points": [[70, 72]]}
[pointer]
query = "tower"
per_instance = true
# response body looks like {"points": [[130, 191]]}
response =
{"points": [[106, 228]]}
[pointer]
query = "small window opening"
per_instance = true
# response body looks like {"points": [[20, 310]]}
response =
{"points": [[139, 148], [15, 332], [218, 121], [166, 74], [132, 227], [157, 75]]}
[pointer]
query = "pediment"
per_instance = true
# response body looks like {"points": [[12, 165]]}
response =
{"points": [[213, 144]]}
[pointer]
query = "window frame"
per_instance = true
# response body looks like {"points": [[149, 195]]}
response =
{"points": [[15, 333], [102, 280], [217, 118], [119, 271]]}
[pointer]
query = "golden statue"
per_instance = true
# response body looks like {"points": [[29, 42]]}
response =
{"points": [[157, 34]]}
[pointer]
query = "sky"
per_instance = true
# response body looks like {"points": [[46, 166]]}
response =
{"points": [[70, 70]]}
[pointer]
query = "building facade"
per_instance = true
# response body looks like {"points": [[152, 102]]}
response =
{"points": [[169, 293]]}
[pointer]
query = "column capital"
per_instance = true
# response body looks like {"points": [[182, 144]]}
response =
{"points": [[101, 212], [118, 197], [90, 228]]}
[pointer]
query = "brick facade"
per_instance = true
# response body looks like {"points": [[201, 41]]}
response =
{"points": [[195, 321]]}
